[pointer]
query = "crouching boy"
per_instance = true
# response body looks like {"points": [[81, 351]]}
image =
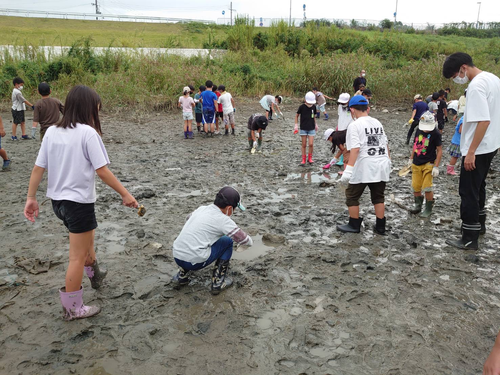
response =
{"points": [[369, 165], [424, 160], [207, 237]]}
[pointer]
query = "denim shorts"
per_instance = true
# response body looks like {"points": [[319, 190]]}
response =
{"points": [[312, 133], [77, 217], [320, 108], [187, 115]]}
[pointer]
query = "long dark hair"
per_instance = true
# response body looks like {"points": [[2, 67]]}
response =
{"points": [[338, 138], [82, 106]]}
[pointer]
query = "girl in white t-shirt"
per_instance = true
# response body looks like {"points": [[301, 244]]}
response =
{"points": [[187, 104], [72, 152], [344, 120]]}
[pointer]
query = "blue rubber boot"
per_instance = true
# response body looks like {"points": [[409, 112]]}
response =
{"points": [[341, 161]]}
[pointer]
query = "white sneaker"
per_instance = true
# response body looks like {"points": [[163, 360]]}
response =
{"points": [[217, 132]]}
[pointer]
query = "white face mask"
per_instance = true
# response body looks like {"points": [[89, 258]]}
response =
{"points": [[461, 80], [21, 87], [362, 75]]}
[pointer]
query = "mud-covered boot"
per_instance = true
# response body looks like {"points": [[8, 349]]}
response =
{"points": [[469, 239], [259, 145], [190, 135], [379, 226], [232, 131], [73, 307], [419, 201], [482, 221], [428, 209], [354, 226], [326, 117], [250, 144], [95, 274], [220, 280], [181, 278]]}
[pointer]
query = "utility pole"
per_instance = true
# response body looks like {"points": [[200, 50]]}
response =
{"points": [[290, 22], [478, 11], [96, 9], [231, 11], [396, 13]]}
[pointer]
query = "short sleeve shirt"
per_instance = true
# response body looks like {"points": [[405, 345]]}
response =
{"points": [[483, 97], [18, 100], [186, 103], [198, 108], [373, 163], [252, 122], [225, 101], [307, 117], [47, 112], [441, 103], [421, 107], [424, 146], [320, 98], [71, 157], [208, 100]]}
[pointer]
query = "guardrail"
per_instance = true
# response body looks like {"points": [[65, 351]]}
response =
{"points": [[92, 16]]}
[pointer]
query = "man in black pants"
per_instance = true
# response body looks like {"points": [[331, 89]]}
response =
{"points": [[361, 80], [479, 142]]}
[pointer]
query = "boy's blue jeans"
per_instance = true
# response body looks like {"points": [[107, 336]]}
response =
{"points": [[222, 249]]}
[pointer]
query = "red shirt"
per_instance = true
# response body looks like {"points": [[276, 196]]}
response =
{"points": [[219, 109]]}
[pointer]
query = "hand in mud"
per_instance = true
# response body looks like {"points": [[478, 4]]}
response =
{"points": [[492, 364], [129, 201], [470, 162], [31, 209]]}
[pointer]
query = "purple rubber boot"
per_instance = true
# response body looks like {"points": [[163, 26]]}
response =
{"points": [[96, 275], [73, 307]]}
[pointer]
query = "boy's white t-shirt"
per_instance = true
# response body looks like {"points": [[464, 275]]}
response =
{"points": [[18, 100], [225, 100], [71, 157], [205, 226], [345, 119], [186, 103], [373, 163], [483, 104]]}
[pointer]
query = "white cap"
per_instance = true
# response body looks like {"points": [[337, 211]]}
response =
{"points": [[328, 134], [427, 122], [418, 96], [344, 98], [186, 89], [310, 98]]}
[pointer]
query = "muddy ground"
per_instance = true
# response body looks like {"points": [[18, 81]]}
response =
{"points": [[307, 299]]}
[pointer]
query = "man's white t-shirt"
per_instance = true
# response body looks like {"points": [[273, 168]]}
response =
{"points": [[18, 100], [483, 104], [225, 100], [373, 163], [345, 119], [453, 104], [71, 157], [205, 226]]}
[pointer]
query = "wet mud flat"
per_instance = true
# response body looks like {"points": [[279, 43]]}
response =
{"points": [[307, 299]]}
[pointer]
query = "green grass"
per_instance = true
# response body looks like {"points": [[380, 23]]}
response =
{"points": [[276, 60], [60, 32]]}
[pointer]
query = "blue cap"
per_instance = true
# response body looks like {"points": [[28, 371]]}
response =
{"points": [[358, 100]]}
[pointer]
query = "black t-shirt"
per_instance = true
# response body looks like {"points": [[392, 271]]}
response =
{"points": [[307, 115], [424, 146], [252, 122], [441, 107], [358, 81]]}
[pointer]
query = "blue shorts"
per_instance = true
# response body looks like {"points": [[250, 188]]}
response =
{"points": [[222, 249], [320, 108], [311, 133], [209, 117]]}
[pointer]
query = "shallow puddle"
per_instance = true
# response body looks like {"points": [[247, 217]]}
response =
{"points": [[260, 247], [311, 177]]}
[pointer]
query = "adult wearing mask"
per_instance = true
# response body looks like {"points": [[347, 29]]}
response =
{"points": [[361, 80], [479, 142]]}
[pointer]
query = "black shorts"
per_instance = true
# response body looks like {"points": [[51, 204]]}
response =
{"points": [[354, 191], [17, 117], [77, 217], [199, 118], [219, 114], [440, 123]]}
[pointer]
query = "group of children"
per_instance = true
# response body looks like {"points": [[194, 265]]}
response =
{"points": [[46, 112], [212, 104]]}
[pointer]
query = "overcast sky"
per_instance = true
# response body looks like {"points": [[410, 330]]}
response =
{"points": [[409, 11]]}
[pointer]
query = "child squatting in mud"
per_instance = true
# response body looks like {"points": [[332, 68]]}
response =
{"points": [[207, 237], [73, 152]]}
